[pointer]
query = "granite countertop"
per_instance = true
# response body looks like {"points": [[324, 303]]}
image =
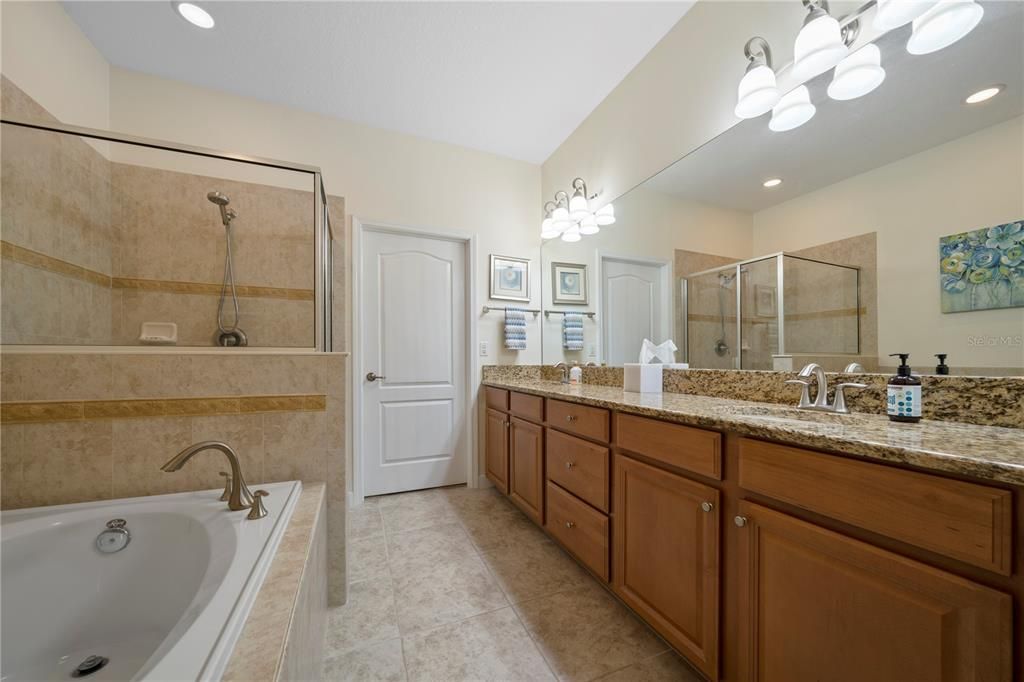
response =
{"points": [[988, 452]]}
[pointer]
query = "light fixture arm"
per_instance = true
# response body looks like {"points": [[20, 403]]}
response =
{"points": [[580, 184], [758, 52], [561, 197], [850, 32], [547, 211]]}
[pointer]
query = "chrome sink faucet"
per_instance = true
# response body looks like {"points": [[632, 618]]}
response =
{"points": [[239, 496], [565, 371], [814, 373]]}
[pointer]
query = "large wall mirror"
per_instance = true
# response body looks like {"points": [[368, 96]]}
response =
{"points": [[889, 223], [126, 244]]}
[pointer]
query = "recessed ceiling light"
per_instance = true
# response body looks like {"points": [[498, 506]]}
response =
{"points": [[986, 94], [773, 182], [194, 14]]}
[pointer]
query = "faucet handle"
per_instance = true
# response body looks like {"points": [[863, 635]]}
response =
{"points": [[805, 390], [226, 495], [257, 510], [839, 405]]}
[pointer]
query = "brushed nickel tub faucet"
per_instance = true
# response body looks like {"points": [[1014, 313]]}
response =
{"points": [[239, 497]]}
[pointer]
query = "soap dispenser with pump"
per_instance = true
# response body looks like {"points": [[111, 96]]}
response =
{"points": [[942, 367], [903, 394]]}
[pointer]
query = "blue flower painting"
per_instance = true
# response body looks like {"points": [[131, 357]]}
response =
{"points": [[982, 269]]}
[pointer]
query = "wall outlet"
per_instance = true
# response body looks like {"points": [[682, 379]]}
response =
{"points": [[484, 349]]}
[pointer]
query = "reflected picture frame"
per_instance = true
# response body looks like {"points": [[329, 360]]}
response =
{"points": [[510, 278], [568, 283]]}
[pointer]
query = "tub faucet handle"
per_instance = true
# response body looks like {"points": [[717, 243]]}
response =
{"points": [[257, 510], [226, 495]]}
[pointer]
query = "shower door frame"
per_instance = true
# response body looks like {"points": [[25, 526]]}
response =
{"points": [[779, 258], [322, 230]]}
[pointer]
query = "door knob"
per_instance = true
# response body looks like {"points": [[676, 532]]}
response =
{"points": [[370, 376]]}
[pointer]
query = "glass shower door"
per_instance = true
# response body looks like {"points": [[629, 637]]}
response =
{"points": [[759, 313], [711, 319]]}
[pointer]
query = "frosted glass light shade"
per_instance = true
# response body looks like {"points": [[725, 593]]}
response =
{"points": [[793, 110], [819, 46], [757, 93], [894, 13], [578, 206], [589, 225], [945, 23], [548, 230], [605, 215], [858, 74], [572, 234]]}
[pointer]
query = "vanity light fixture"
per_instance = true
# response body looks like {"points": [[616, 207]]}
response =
{"points": [[758, 91], [858, 74], [946, 22], [985, 94], [570, 217], [892, 14], [578, 209], [772, 182], [793, 110], [194, 14], [819, 46]]}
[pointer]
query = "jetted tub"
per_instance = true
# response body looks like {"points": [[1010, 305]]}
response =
{"points": [[168, 606]]}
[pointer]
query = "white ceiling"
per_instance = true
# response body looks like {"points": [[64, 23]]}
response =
{"points": [[510, 78], [920, 105]]}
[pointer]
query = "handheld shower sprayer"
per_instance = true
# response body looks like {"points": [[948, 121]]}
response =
{"points": [[227, 334], [222, 201]]}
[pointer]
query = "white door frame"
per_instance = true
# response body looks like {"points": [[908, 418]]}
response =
{"points": [[667, 303], [472, 373]]}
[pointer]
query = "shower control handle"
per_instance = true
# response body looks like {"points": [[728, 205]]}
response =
{"points": [[370, 376]]}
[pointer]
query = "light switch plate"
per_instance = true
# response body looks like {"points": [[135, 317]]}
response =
{"points": [[483, 349]]}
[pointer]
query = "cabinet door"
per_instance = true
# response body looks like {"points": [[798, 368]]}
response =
{"points": [[496, 455], [526, 468], [817, 605], [666, 556]]}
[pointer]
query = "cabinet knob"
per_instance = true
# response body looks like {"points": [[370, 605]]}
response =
{"points": [[570, 418], [706, 506], [570, 524], [570, 465], [740, 521], [508, 424]]}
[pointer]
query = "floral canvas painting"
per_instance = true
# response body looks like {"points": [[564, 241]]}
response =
{"points": [[982, 269]]}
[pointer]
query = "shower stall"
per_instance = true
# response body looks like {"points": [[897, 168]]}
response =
{"points": [[742, 315]]}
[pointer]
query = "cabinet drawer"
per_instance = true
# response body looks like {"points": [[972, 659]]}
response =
{"points": [[579, 466], [581, 530], [964, 521], [590, 422], [496, 398], [526, 406], [680, 446]]}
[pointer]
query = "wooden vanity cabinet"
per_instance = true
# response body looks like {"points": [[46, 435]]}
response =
{"points": [[526, 468], [819, 605], [496, 428], [666, 560]]}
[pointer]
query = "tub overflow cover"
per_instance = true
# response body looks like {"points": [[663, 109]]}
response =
{"points": [[115, 538], [90, 665]]}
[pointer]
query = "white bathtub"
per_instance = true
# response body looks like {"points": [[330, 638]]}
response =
{"points": [[169, 606]]}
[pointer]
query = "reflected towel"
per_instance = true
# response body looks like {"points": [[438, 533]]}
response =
{"points": [[572, 331], [515, 328]]}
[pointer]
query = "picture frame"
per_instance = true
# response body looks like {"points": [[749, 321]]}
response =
{"points": [[568, 284], [510, 278]]}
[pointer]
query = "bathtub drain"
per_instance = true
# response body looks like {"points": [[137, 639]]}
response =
{"points": [[90, 665]]}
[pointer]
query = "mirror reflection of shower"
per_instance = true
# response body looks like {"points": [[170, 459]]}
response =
{"points": [[227, 334], [725, 280]]}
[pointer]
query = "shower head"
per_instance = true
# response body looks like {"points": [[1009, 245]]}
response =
{"points": [[226, 214]]}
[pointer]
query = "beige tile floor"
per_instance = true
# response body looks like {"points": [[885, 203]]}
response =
{"points": [[457, 584]]}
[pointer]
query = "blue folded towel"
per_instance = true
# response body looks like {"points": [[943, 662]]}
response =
{"points": [[515, 328], [572, 331]]}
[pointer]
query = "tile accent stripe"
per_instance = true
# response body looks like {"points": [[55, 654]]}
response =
{"points": [[204, 288], [41, 261], [817, 315], [58, 411]]}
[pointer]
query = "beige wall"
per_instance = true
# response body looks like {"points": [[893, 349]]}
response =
{"points": [[972, 182]]}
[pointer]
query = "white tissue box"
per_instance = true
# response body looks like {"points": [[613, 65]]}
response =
{"points": [[641, 378]]}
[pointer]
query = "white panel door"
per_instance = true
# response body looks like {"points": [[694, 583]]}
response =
{"points": [[414, 341], [634, 307]]}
